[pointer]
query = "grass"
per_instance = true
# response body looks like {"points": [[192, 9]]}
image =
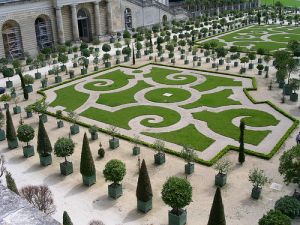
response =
{"points": [[290, 3], [157, 95], [213, 100], [221, 123], [119, 79], [159, 75], [284, 38], [122, 97], [122, 117], [188, 135], [212, 82], [65, 98]]}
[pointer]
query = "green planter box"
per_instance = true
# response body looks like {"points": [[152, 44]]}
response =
{"points": [[75, 65], [66, 168], [89, 180], [162, 59], [118, 61], [96, 68], [255, 193], [107, 64], [45, 160], [236, 64], [37, 76], [2, 135], [83, 71], [17, 109], [150, 57], [63, 68], [71, 75], [136, 150], [243, 70], [294, 97], [260, 72], [213, 65], [159, 158], [207, 60], [171, 55], [44, 83], [138, 55], [44, 118], [29, 88], [266, 68], [114, 143], [259, 60], [177, 219], [250, 66], [195, 58], [115, 190], [126, 58], [9, 84], [13, 144], [220, 179], [189, 168], [60, 124], [144, 206], [227, 67], [287, 89], [28, 151], [186, 62], [221, 62], [58, 79], [94, 136], [74, 129], [182, 56], [198, 63]]}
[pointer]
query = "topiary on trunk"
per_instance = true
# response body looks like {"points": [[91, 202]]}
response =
{"points": [[44, 147], [10, 183], [87, 166], [217, 216], [10, 128], [144, 189], [66, 219]]}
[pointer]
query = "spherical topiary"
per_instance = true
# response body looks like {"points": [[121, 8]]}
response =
{"points": [[64, 147], [274, 217], [114, 171], [106, 47], [25, 133], [288, 205]]}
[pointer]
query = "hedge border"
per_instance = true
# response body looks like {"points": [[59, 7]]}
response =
{"points": [[176, 153]]}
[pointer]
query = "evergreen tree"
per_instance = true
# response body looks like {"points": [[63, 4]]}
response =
{"points": [[25, 93], [144, 189], [87, 166], [10, 182], [241, 148], [66, 219], [10, 128], [133, 55], [217, 216], [44, 147]]}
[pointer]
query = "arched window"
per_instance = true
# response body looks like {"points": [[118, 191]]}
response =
{"points": [[43, 31], [164, 19], [12, 39], [84, 25], [128, 19]]}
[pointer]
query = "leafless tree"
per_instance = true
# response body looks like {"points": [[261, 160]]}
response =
{"points": [[96, 222], [40, 197], [2, 166]]}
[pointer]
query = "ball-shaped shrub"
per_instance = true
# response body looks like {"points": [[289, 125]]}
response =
{"points": [[106, 48], [64, 147], [177, 193], [274, 217], [28, 79], [114, 171], [25, 133], [288, 205]]}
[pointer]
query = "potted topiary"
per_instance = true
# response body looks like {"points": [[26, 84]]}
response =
{"points": [[136, 149], [159, 157], [5, 98], [96, 61], [101, 151], [94, 132], [228, 60], [72, 74], [64, 147], [177, 193], [37, 63], [7, 73], [2, 132], [114, 171], [13, 93], [44, 147], [258, 179], [73, 117], [25, 133], [59, 121], [275, 217], [11, 136], [40, 108], [28, 81], [17, 108], [63, 58], [87, 166], [44, 82], [113, 142], [58, 78], [222, 166], [189, 155], [84, 63], [28, 110], [294, 86], [260, 68], [106, 56]]}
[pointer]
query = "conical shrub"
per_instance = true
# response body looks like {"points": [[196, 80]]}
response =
{"points": [[44, 147], [10, 128], [217, 216], [144, 189], [87, 166]]}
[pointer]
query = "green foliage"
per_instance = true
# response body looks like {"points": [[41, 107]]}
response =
{"points": [[28, 79], [126, 34], [64, 147], [217, 216], [10, 182], [144, 189], [44, 146], [241, 140], [10, 128], [288, 205], [274, 217], [223, 166], [188, 154], [66, 219], [106, 47], [2, 119], [63, 58], [7, 72], [177, 192], [87, 166], [93, 129], [258, 178], [114, 171], [25, 133], [5, 97]]}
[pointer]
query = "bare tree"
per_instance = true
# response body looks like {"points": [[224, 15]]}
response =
{"points": [[2, 166], [96, 222], [40, 197]]}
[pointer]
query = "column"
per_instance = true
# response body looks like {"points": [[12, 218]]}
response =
{"points": [[60, 26], [97, 19], [74, 23], [109, 17]]}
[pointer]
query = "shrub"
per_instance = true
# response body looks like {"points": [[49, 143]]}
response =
{"points": [[288, 205], [258, 178], [28, 79], [25, 133], [66, 219], [87, 166], [10, 182], [274, 217], [44, 147], [114, 171], [64, 147], [10, 129], [106, 48], [144, 189]]}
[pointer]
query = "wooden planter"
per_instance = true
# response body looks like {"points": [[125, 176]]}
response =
{"points": [[256, 192], [115, 190], [44, 118], [144, 206], [107, 64], [44, 83], [9, 84], [220, 179], [136, 150], [60, 124], [89, 180], [74, 129], [94, 136], [28, 151], [159, 158], [58, 79], [45, 160], [37, 75], [294, 97], [12, 144], [189, 168], [17, 109], [66, 168], [29, 88], [177, 219], [114, 143], [83, 71]]}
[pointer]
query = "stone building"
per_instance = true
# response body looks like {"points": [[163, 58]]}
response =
{"points": [[28, 26]]}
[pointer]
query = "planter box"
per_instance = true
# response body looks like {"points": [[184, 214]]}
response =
{"points": [[2, 135], [259, 60], [37, 76], [28, 114], [287, 89], [44, 83], [144, 206], [17, 109], [115, 190], [162, 59], [250, 66], [83, 71], [63, 68], [58, 79], [136, 150], [112, 40], [29, 88], [243, 70], [150, 57], [182, 56], [126, 58], [45, 160], [101, 153], [266, 68], [207, 60], [114, 143], [186, 62], [255, 193], [227, 67], [9, 84], [220, 179], [173, 61], [74, 129], [213, 65], [177, 219], [94, 136], [66, 168], [75, 65], [195, 58], [60, 124], [221, 62], [118, 61], [89, 181], [189, 168], [107, 64], [138, 55], [159, 158], [44, 118], [28, 151], [13, 144], [71, 74], [294, 97], [236, 64], [171, 55], [96, 68], [198, 63]]}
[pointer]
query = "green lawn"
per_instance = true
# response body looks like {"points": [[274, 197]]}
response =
{"points": [[65, 97], [188, 135], [291, 3], [157, 95], [122, 97], [121, 117], [213, 100], [221, 123]]}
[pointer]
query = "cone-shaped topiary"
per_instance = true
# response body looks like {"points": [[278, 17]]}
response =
{"points": [[87, 166], [10, 128], [44, 147], [66, 219], [241, 148], [10, 182], [217, 216], [144, 189]]}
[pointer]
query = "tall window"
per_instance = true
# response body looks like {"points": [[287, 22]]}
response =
{"points": [[43, 31], [128, 19]]}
